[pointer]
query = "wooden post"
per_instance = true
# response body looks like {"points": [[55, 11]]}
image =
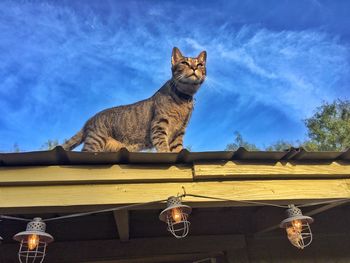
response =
{"points": [[121, 218]]}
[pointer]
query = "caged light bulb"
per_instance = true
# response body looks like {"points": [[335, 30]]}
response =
{"points": [[297, 227], [294, 236], [297, 224], [176, 214], [176, 217], [33, 241]]}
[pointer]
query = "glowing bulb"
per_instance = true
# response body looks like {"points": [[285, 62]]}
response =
{"points": [[294, 236], [298, 225], [176, 214], [33, 241]]}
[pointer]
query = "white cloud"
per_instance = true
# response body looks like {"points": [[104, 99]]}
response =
{"points": [[285, 69]]}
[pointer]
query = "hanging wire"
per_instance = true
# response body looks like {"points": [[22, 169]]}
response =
{"points": [[237, 201], [103, 210], [324, 202], [15, 218]]}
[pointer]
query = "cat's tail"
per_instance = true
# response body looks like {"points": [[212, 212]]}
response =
{"points": [[74, 141]]}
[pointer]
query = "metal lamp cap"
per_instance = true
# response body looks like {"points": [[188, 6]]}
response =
{"points": [[174, 202], [294, 213], [35, 227]]}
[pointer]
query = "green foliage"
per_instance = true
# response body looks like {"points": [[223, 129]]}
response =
{"points": [[49, 144], [240, 142], [329, 127], [310, 146], [328, 130]]}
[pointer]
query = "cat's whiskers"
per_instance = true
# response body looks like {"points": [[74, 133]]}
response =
{"points": [[181, 76], [177, 78]]}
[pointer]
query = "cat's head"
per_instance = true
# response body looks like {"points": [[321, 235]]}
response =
{"points": [[188, 71]]}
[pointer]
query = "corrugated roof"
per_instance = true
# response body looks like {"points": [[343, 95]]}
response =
{"points": [[59, 156]]}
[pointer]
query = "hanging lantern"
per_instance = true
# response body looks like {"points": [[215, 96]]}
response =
{"points": [[297, 227], [175, 215], [33, 242]]}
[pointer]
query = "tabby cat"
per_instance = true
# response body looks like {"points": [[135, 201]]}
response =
{"points": [[157, 122]]}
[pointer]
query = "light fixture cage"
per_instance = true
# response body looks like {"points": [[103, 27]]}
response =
{"points": [[178, 228], [297, 227], [36, 255]]}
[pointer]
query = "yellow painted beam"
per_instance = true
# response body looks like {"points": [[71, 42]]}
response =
{"points": [[118, 194], [244, 170], [96, 174], [93, 174]]}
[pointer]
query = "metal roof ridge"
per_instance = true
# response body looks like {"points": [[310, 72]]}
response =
{"points": [[59, 156]]}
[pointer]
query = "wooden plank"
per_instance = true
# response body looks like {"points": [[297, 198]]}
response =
{"points": [[118, 194], [48, 175], [208, 259], [121, 218], [243, 170], [324, 249], [163, 258], [99, 250], [237, 256]]}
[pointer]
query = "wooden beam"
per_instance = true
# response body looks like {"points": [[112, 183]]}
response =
{"points": [[163, 259], [207, 260], [87, 174], [244, 170], [121, 218], [104, 250], [279, 191], [310, 213], [237, 255]]}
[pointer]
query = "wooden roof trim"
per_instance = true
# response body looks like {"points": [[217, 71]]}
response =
{"points": [[243, 170], [273, 191], [133, 173], [94, 174]]}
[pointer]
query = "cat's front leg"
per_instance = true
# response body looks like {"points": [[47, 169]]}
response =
{"points": [[176, 145], [159, 135]]}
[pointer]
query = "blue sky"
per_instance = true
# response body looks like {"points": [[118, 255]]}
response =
{"points": [[270, 64]]}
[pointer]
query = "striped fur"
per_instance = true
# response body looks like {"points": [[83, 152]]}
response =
{"points": [[157, 122]]}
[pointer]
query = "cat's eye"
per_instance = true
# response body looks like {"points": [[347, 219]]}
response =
{"points": [[184, 63], [199, 65]]}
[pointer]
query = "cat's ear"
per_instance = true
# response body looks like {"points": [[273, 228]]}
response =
{"points": [[175, 56], [202, 57]]}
